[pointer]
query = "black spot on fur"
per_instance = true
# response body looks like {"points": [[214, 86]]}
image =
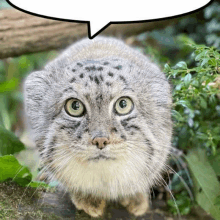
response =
{"points": [[108, 84], [68, 89], [81, 75], [100, 68], [91, 78], [106, 63], [87, 96], [86, 130], [50, 151], [99, 98], [79, 136], [73, 70], [92, 68], [122, 78], [119, 67], [127, 128], [123, 137], [79, 64], [111, 74], [72, 80], [86, 84], [97, 80], [114, 130], [88, 69], [124, 123], [101, 77]]}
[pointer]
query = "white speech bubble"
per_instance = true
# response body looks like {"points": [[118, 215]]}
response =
{"points": [[101, 13]]}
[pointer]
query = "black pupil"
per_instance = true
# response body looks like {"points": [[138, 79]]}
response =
{"points": [[123, 103], [75, 105]]}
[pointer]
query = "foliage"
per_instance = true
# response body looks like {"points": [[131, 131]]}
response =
{"points": [[12, 169], [196, 104], [9, 143], [206, 185], [196, 111], [203, 27], [182, 201], [12, 73]]}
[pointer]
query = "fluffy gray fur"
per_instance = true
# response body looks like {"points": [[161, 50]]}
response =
{"points": [[98, 72]]}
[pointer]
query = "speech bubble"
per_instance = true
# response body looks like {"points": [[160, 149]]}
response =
{"points": [[99, 14]]}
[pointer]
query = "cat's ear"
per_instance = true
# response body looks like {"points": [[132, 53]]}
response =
{"points": [[36, 88]]}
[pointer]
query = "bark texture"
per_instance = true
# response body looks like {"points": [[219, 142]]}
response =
{"points": [[21, 33]]}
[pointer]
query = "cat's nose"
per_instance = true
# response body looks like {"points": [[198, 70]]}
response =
{"points": [[100, 142]]}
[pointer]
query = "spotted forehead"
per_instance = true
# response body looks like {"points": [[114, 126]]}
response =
{"points": [[100, 72]]}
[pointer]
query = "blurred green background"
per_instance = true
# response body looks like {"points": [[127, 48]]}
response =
{"points": [[189, 54]]}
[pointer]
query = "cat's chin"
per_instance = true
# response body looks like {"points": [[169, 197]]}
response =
{"points": [[101, 158]]}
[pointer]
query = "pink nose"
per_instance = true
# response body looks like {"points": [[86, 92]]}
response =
{"points": [[100, 142]]}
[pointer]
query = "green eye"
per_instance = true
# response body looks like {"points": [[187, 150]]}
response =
{"points": [[74, 107], [123, 106]]}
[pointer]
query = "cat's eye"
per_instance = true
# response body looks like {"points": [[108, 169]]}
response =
{"points": [[74, 107], [123, 106]]}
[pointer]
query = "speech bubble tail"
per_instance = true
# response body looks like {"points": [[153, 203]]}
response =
{"points": [[96, 26]]}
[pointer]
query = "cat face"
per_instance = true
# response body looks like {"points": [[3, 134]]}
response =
{"points": [[100, 101], [101, 122]]}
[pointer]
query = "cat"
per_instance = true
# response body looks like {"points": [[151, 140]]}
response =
{"points": [[100, 115]]}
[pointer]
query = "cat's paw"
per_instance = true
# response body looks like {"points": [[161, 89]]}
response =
{"points": [[94, 210], [92, 207], [137, 205]]}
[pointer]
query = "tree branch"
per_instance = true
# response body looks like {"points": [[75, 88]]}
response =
{"points": [[21, 33]]}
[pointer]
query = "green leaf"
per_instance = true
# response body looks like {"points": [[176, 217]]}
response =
{"points": [[167, 68], [200, 55], [181, 65], [217, 201], [215, 162], [4, 113], [178, 87], [38, 184], [9, 143], [206, 185], [203, 102], [177, 115], [202, 136], [9, 86], [184, 103], [204, 61], [187, 79], [12, 169]]}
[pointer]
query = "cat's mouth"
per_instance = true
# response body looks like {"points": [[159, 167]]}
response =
{"points": [[101, 157]]}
